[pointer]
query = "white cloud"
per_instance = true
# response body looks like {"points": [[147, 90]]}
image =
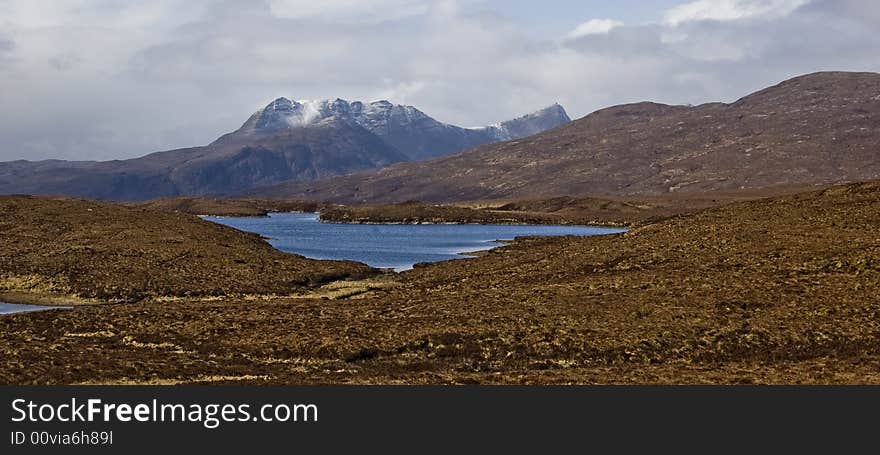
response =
{"points": [[95, 13], [594, 27], [401, 92], [348, 10], [729, 10], [115, 78]]}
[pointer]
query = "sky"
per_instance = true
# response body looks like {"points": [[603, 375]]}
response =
{"points": [[113, 79]]}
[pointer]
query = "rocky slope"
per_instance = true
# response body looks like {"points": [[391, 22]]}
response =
{"points": [[285, 141], [816, 129]]}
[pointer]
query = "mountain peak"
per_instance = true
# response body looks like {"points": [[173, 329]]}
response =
{"points": [[279, 102], [404, 127], [282, 113], [278, 115], [556, 108], [539, 121]]}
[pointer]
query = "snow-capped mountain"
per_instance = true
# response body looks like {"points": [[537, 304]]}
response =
{"points": [[531, 124], [285, 141], [414, 133], [375, 117]]}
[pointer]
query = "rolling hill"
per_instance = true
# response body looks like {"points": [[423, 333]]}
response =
{"points": [[821, 128]]}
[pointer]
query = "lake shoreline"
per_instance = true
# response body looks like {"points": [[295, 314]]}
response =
{"points": [[601, 211], [399, 246], [9, 308], [466, 223]]}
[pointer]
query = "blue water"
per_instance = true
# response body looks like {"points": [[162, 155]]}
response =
{"points": [[396, 246], [9, 308]]}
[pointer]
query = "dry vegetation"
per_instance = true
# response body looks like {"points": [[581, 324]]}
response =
{"points": [[73, 251], [782, 291], [226, 207], [602, 210]]}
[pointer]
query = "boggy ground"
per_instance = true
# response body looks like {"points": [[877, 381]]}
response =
{"points": [[772, 291]]}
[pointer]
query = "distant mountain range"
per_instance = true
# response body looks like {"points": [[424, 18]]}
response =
{"points": [[820, 128], [287, 141]]}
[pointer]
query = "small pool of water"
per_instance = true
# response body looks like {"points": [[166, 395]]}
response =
{"points": [[9, 308], [397, 246]]}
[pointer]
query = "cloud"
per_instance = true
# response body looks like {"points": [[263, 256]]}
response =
{"points": [[401, 92], [594, 27], [348, 10], [105, 79], [64, 62], [7, 46], [102, 13], [730, 10]]}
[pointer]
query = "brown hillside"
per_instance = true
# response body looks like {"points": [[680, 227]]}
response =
{"points": [[816, 129], [73, 251]]}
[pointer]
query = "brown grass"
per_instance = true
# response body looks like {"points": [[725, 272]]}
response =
{"points": [[771, 291]]}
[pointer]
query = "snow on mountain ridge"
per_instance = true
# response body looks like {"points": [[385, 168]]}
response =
{"points": [[283, 113], [406, 128], [373, 116], [526, 125]]}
